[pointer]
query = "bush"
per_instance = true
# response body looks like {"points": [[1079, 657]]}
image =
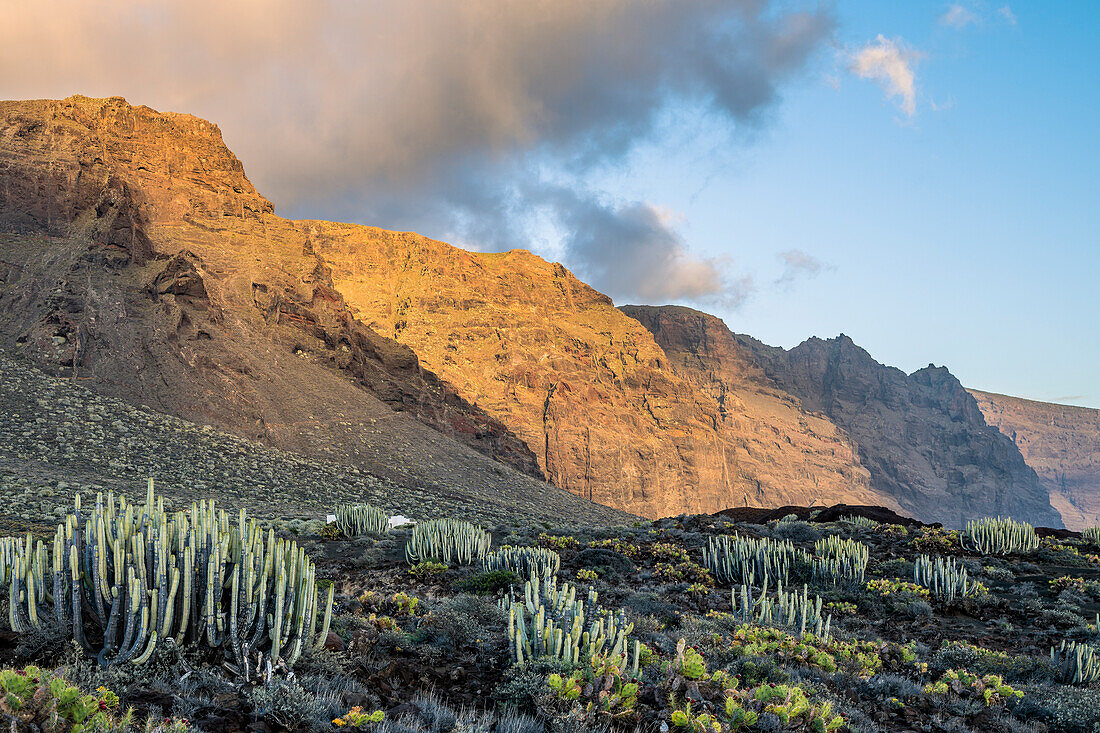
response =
{"points": [[604, 561], [486, 583]]}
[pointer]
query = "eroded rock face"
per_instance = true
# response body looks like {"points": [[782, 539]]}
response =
{"points": [[921, 436], [138, 259], [792, 457], [1062, 444]]}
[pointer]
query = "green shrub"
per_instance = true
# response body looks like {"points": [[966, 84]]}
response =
{"points": [[486, 583]]}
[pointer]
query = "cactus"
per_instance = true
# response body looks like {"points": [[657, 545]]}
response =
{"points": [[139, 577], [356, 520], [523, 561], [944, 577], [449, 541], [840, 560], [1077, 664], [1092, 535], [747, 561], [549, 622], [11, 551], [999, 536], [790, 610]]}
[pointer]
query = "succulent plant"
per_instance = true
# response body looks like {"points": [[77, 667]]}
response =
{"points": [[999, 536], [136, 577], [523, 561], [946, 578], [356, 520], [837, 559], [791, 610], [549, 621], [449, 541], [748, 561], [1092, 535], [1076, 663]]}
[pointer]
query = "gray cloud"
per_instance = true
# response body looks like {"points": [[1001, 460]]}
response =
{"points": [[798, 264], [445, 117]]}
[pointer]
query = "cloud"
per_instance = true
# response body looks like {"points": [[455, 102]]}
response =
{"points": [[1006, 12], [958, 17], [798, 264], [890, 64], [434, 115], [631, 250]]}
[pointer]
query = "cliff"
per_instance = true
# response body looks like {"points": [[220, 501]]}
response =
{"points": [[1062, 444], [921, 436]]}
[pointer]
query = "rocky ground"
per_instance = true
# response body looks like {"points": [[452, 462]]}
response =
{"points": [[57, 439]]}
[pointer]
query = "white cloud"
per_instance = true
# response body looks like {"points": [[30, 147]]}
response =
{"points": [[798, 264], [1006, 13], [889, 63], [958, 17]]}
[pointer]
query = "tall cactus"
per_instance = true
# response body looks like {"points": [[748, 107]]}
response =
{"points": [[1076, 663], [840, 560], [946, 578], [748, 561], [137, 576], [550, 622], [999, 536], [523, 561], [356, 520], [447, 541], [792, 610]]}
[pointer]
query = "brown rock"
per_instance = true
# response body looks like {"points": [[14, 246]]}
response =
{"points": [[1062, 444]]}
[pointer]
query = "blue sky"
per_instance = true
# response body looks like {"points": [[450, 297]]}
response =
{"points": [[966, 235]]}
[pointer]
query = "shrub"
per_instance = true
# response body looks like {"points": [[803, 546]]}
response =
{"points": [[488, 583], [427, 569]]}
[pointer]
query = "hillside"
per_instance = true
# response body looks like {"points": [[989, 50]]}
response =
{"points": [[779, 440], [1062, 444], [140, 257], [921, 435]]}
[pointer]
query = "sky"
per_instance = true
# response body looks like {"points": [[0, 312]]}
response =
{"points": [[920, 176]]}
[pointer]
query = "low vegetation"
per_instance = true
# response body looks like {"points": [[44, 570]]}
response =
{"points": [[131, 618]]}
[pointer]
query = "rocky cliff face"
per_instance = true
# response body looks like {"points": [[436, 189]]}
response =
{"points": [[1062, 444], [921, 436], [136, 258], [794, 456]]}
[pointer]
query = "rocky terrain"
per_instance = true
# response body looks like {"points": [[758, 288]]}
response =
{"points": [[921, 437], [58, 439], [1062, 444]]}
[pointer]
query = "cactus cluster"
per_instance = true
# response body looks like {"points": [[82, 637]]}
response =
{"points": [[1092, 535], [356, 520], [999, 536], [747, 561], [523, 561], [1076, 663], [449, 541], [791, 610], [551, 622], [946, 578], [11, 550], [136, 577], [840, 560]]}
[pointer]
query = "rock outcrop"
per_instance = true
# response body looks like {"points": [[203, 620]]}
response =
{"points": [[1062, 444], [921, 436]]}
